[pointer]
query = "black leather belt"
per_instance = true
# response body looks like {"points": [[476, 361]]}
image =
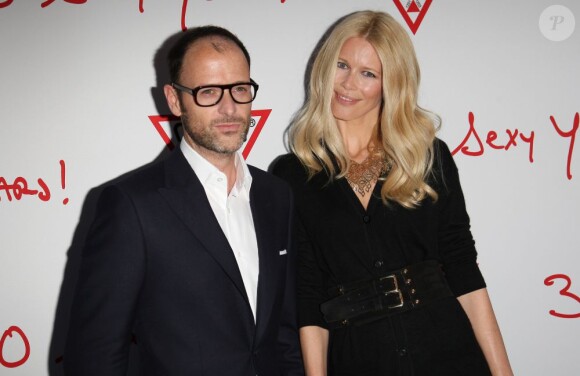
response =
{"points": [[365, 301]]}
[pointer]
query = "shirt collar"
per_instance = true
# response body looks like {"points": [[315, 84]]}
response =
{"points": [[205, 170]]}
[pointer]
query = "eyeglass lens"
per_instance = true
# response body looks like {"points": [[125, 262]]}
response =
{"points": [[243, 93]]}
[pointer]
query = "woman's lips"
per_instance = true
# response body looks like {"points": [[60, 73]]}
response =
{"points": [[343, 99]]}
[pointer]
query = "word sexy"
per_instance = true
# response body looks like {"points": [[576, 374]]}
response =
{"points": [[44, 4], [514, 136], [9, 333], [565, 291], [20, 187]]}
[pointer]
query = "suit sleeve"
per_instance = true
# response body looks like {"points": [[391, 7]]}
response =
{"points": [[288, 340], [111, 273]]}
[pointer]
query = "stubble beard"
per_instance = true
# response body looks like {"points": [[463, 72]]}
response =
{"points": [[202, 135]]}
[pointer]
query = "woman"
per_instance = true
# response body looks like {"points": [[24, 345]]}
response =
{"points": [[388, 282]]}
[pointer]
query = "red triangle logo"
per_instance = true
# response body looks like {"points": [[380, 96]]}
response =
{"points": [[253, 135], [166, 124], [413, 8], [419, 10], [159, 121]]}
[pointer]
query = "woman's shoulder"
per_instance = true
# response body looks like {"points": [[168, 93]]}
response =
{"points": [[440, 149], [442, 158], [444, 174], [289, 168]]}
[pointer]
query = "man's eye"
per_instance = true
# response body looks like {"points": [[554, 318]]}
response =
{"points": [[241, 89], [209, 92]]}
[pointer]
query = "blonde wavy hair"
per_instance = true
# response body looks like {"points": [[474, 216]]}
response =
{"points": [[405, 130]]}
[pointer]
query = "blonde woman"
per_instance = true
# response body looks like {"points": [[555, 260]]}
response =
{"points": [[388, 282]]}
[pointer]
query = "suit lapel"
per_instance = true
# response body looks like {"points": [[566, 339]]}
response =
{"points": [[186, 196]]}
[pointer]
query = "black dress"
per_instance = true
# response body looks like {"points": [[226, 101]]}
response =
{"points": [[339, 241]]}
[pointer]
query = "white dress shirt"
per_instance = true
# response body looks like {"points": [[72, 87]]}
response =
{"points": [[233, 214]]}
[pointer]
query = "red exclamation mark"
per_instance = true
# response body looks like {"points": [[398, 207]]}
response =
{"points": [[63, 179]]}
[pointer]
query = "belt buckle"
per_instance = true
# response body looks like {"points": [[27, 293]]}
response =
{"points": [[395, 291]]}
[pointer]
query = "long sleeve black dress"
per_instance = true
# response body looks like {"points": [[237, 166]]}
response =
{"points": [[339, 241]]}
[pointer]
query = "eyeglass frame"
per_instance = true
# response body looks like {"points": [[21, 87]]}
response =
{"points": [[223, 88]]}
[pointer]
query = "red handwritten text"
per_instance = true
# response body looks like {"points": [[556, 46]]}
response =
{"points": [[492, 141], [20, 187], [549, 281], [48, 2], [44, 4], [183, 11], [9, 333], [63, 179], [513, 137], [572, 135], [6, 3]]}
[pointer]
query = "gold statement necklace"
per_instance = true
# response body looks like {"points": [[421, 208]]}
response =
{"points": [[362, 176]]}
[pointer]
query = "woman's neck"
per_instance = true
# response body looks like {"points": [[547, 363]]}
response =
{"points": [[357, 139]]}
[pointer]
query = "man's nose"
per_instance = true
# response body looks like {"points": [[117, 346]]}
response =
{"points": [[227, 105]]}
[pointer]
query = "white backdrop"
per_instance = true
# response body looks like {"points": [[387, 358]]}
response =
{"points": [[78, 84]]}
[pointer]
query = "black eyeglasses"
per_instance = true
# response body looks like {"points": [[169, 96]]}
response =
{"points": [[210, 95]]}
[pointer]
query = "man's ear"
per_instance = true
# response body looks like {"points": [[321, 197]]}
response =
{"points": [[172, 100]]}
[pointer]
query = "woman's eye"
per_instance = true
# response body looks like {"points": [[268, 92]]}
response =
{"points": [[341, 65], [369, 74]]}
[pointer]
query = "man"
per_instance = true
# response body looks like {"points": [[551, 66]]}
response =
{"points": [[191, 255]]}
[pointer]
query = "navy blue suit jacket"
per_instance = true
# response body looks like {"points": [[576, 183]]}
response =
{"points": [[157, 265]]}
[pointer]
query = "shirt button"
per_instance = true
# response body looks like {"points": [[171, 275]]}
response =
{"points": [[402, 351], [220, 179], [366, 219], [378, 264]]}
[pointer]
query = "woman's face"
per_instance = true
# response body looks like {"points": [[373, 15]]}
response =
{"points": [[357, 83]]}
